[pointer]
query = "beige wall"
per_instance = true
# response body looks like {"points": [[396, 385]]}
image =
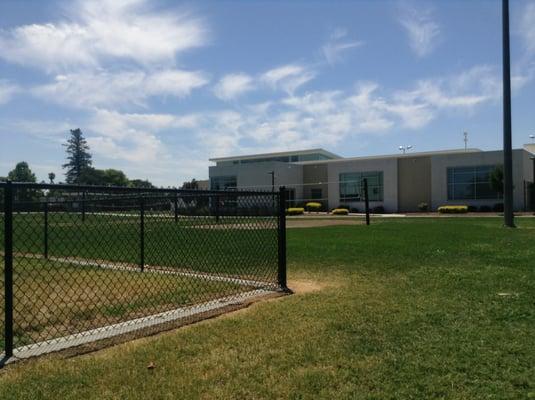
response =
{"points": [[312, 174], [414, 182]]}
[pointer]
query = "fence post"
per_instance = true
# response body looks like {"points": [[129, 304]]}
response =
{"points": [[216, 208], [366, 200], [142, 234], [176, 207], [8, 269], [46, 230], [83, 206], [282, 239]]}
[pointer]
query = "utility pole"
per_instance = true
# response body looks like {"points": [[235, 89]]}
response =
{"points": [[465, 141], [507, 140]]}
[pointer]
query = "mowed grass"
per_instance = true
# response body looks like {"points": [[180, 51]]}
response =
{"points": [[194, 243], [406, 308], [55, 299]]}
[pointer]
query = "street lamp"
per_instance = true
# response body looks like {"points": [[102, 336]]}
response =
{"points": [[532, 137], [404, 148]]}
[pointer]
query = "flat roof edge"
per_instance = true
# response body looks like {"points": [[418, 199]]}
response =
{"points": [[276, 154]]}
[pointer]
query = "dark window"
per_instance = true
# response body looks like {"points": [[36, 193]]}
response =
{"points": [[471, 183], [351, 186], [223, 182], [315, 193]]}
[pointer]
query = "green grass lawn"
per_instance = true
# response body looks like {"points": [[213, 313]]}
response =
{"points": [[408, 308], [195, 243], [53, 299]]}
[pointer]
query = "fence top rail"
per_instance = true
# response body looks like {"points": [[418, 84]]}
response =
{"points": [[95, 188]]}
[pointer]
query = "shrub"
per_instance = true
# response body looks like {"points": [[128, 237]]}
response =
{"points": [[423, 206], [295, 211], [340, 211], [343, 206], [498, 207], [453, 209], [354, 210], [485, 209], [472, 208], [313, 206], [378, 210]]}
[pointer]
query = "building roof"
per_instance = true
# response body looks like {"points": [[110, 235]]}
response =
{"points": [[398, 155], [279, 154]]}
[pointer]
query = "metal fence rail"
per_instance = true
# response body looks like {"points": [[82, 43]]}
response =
{"points": [[83, 263]]}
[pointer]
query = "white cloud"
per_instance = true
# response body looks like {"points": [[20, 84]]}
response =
{"points": [[7, 90], [104, 89], [422, 29], [96, 31], [336, 46], [287, 77], [527, 27], [233, 85]]}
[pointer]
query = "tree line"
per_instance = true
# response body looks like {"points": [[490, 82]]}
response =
{"points": [[78, 168]]}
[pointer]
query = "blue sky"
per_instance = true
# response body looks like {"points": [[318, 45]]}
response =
{"points": [[158, 87]]}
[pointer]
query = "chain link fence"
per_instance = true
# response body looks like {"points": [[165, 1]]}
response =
{"points": [[82, 263]]}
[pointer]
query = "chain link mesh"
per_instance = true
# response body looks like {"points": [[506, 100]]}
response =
{"points": [[92, 264]]}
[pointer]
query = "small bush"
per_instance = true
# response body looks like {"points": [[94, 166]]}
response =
{"points": [[343, 206], [354, 210], [313, 206], [453, 209], [295, 211], [498, 207], [378, 210], [472, 208], [423, 207], [485, 209], [340, 211]]}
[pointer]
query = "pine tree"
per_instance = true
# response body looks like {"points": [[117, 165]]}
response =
{"points": [[78, 156]]}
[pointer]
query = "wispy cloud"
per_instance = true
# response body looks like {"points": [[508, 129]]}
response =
{"points": [[104, 89], [288, 77], [337, 45], [422, 29], [97, 31], [7, 90], [233, 85], [527, 27]]}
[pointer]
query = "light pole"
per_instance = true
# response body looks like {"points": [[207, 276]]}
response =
{"points": [[507, 140], [532, 137], [272, 173], [404, 149]]}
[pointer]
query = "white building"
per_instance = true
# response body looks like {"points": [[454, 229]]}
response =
{"points": [[398, 182]]}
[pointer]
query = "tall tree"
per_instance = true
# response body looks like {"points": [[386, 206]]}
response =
{"points": [[78, 156]]}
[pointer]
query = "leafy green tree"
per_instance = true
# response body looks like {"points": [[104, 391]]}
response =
{"points": [[496, 179], [140, 183], [51, 177], [103, 177], [78, 156], [115, 177], [22, 173]]}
